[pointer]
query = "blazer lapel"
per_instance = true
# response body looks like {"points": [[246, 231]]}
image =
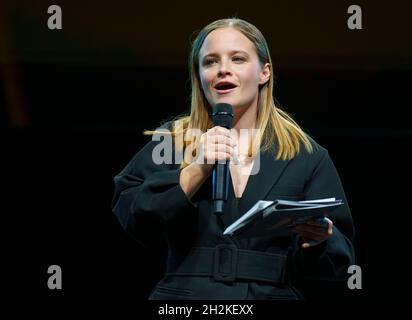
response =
{"points": [[260, 183], [268, 170]]}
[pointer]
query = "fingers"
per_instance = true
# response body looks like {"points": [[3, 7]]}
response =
{"points": [[330, 226], [311, 235], [323, 223], [219, 140], [314, 232], [220, 157], [309, 243], [217, 145], [217, 152], [219, 131]]}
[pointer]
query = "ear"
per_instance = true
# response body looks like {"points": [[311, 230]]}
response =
{"points": [[264, 74]]}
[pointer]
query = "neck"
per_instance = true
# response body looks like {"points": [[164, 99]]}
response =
{"points": [[245, 118]]}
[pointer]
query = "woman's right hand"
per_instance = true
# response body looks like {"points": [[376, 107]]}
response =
{"points": [[216, 145]]}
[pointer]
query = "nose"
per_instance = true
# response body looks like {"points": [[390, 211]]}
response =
{"points": [[223, 69]]}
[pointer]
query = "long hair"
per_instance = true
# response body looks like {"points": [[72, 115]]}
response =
{"points": [[277, 130]]}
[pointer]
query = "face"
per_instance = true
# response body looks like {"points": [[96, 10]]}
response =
{"points": [[230, 70]]}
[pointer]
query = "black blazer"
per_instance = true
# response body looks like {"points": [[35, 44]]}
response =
{"points": [[204, 264]]}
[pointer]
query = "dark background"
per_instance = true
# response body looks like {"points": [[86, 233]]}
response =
{"points": [[74, 102]]}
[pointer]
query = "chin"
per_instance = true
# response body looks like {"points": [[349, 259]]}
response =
{"points": [[225, 100]]}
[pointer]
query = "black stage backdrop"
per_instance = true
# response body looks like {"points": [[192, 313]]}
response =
{"points": [[74, 103]]}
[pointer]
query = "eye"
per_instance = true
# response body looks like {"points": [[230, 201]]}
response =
{"points": [[209, 61], [238, 59]]}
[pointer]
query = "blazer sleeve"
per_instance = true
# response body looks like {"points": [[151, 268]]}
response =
{"points": [[330, 259], [148, 199]]}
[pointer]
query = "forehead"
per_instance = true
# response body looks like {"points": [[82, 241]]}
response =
{"points": [[226, 40]]}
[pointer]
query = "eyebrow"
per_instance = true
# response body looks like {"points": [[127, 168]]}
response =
{"points": [[213, 54]]}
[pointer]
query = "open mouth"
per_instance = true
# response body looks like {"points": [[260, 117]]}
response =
{"points": [[224, 87]]}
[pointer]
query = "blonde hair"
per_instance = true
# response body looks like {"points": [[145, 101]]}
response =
{"points": [[276, 127]]}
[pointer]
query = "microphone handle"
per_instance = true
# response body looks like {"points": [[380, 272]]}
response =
{"points": [[220, 186]]}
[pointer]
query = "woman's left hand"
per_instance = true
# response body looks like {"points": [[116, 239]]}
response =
{"points": [[314, 231]]}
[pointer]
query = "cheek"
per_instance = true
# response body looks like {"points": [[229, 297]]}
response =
{"points": [[250, 76], [205, 78]]}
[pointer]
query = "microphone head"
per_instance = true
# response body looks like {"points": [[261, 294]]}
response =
{"points": [[223, 115]]}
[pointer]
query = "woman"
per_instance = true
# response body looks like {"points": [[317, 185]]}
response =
{"points": [[230, 63]]}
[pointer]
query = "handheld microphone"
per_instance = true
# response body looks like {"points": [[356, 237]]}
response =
{"points": [[223, 117]]}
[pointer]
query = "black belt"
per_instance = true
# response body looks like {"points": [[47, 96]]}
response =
{"points": [[227, 263]]}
